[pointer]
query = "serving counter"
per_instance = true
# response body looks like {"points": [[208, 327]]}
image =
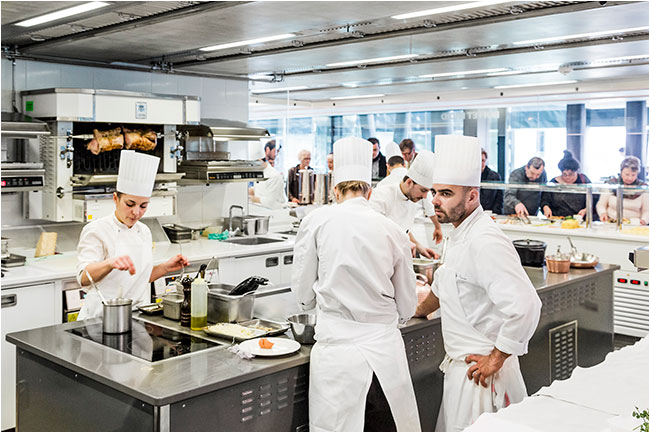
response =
{"points": [[65, 382]]}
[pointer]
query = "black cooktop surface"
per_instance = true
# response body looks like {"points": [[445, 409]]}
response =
{"points": [[146, 340]]}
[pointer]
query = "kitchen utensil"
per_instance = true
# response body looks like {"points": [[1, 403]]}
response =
{"points": [[117, 316], [321, 188], [281, 346], [262, 225], [172, 305], [202, 268], [558, 263], [151, 309], [574, 250], [531, 252], [235, 331], [223, 307], [5, 248], [180, 248], [426, 267], [177, 234], [303, 327], [250, 284], [270, 327], [591, 262], [305, 185], [92, 283], [246, 223]]}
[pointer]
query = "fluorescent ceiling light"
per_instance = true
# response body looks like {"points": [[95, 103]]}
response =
{"points": [[621, 59], [446, 9], [581, 35], [375, 60], [279, 89], [452, 74], [511, 86], [337, 98], [495, 74], [62, 14], [248, 42]]}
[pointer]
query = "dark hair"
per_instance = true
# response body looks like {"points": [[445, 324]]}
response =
{"points": [[270, 145], [407, 143], [568, 162], [631, 162], [484, 152], [373, 140], [118, 194], [536, 162], [395, 160]]}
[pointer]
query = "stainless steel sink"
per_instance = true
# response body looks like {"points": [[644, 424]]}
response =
{"points": [[253, 241]]}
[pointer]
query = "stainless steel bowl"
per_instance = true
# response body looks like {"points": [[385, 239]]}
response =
{"points": [[303, 327]]}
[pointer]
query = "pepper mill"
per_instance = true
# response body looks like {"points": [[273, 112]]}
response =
{"points": [[186, 306]]}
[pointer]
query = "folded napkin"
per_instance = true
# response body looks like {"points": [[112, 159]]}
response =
{"points": [[241, 352]]}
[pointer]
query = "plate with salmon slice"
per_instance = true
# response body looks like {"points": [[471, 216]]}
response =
{"points": [[270, 346]]}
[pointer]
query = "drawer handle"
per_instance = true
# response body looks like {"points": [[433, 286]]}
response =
{"points": [[9, 300], [272, 261], [288, 260]]}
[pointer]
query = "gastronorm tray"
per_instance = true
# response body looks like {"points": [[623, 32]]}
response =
{"points": [[270, 327], [151, 309], [230, 331]]}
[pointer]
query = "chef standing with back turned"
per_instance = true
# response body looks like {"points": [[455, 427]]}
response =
{"points": [[116, 250], [354, 266], [488, 307]]}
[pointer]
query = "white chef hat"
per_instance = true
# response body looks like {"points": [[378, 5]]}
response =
{"points": [[256, 150], [457, 160], [392, 149], [352, 160], [137, 173], [421, 170]]}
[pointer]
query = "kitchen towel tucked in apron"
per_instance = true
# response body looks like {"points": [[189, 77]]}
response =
{"points": [[342, 363], [463, 401]]}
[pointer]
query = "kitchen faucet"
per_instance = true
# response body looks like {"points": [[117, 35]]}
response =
{"points": [[230, 215]]}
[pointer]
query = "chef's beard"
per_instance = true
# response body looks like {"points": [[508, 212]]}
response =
{"points": [[452, 215]]}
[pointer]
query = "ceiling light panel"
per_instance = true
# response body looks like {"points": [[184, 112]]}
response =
{"points": [[279, 89], [447, 9], [375, 60], [581, 36], [53, 16], [554, 83], [338, 98], [248, 42], [463, 73]]}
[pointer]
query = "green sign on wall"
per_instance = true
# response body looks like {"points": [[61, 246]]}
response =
{"points": [[29, 105]]}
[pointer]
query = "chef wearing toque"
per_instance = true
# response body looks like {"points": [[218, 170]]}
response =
{"points": [[354, 266], [116, 250], [488, 306]]}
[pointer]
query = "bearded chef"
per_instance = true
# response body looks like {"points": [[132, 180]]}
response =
{"points": [[354, 266], [489, 308], [116, 250], [268, 193], [400, 201]]}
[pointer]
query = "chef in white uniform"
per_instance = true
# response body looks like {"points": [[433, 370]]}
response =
{"points": [[268, 193], [117, 249], [400, 202], [489, 308], [354, 266]]}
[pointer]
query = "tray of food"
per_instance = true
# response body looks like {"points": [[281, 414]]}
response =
{"points": [[270, 327], [151, 309], [233, 330]]}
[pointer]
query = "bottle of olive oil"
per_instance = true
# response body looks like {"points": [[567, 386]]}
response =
{"points": [[199, 303]]}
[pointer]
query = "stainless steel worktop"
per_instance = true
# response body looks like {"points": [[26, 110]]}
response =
{"points": [[543, 280]]}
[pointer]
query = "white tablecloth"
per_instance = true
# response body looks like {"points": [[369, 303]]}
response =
{"points": [[599, 398]]}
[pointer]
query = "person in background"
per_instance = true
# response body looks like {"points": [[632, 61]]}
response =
{"points": [[525, 202], [566, 204], [635, 204], [491, 199], [396, 171], [378, 160], [330, 162], [304, 156], [119, 242], [268, 193], [270, 152], [353, 265], [398, 201], [489, 309], [407, 147]]}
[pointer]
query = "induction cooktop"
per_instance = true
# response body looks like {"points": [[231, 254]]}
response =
{"points": [[146, 341]]}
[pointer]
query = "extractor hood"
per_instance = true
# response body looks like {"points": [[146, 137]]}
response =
{"points": [[225, 130], [18, 125]]}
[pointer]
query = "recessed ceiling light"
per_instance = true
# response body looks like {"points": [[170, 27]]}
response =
{"points": [[452, 74], [580, 36], [279, 89], [375, 60], [511, 86], [61, 14], [337, 98], [248, 42], [621, 59], [446, 9], [495, 74]]}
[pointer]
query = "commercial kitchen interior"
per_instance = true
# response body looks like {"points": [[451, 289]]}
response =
{"points": [[527, 78]]}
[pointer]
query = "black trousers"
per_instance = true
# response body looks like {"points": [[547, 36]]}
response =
{"points": [[378, 416]]}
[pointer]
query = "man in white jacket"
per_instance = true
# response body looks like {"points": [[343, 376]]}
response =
{"points": [[354, 266], [489, 308]]}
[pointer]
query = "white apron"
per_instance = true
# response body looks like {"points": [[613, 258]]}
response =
{"points": [[135, 287], [342, 363], [462, 400]]}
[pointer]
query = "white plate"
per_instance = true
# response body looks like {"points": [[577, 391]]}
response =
{"points": [[281, 346]]}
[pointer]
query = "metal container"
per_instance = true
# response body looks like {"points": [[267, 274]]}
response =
{"points": [[223, 307], [5, 248], [426, 267], [305, 186], [172, 305], [321, 188], [117, 316], [530, 252], [177, 234], [303, 327], [246, 223], [558, 265], [262, 225]]}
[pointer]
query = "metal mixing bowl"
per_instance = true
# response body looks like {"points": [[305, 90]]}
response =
{"points": [[303, 327]]}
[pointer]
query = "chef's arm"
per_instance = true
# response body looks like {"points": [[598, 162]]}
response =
{"points": [[305, 266], [428, 305], [98, 270], [176, 263], [403, 281]]}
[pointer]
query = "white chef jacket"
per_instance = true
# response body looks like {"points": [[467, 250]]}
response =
{"points": [[271, 191], [389, 200], [497, 296], [396, 175], [355, 263], [108, 237]]}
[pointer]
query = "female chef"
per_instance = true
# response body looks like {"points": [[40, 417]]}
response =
{"points": [[116, 250]]}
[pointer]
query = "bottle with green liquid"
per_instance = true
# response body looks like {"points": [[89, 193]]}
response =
{"points": [[199, 303]]}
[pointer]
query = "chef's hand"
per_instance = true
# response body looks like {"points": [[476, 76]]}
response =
{"points": [[547, 212], [176, 263], [582, 212], [604, 218], [521, 210], [251, 191], [643, 222], [295, 200], [123, 263], [485, 366], [437, 235], [426, 252]]}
